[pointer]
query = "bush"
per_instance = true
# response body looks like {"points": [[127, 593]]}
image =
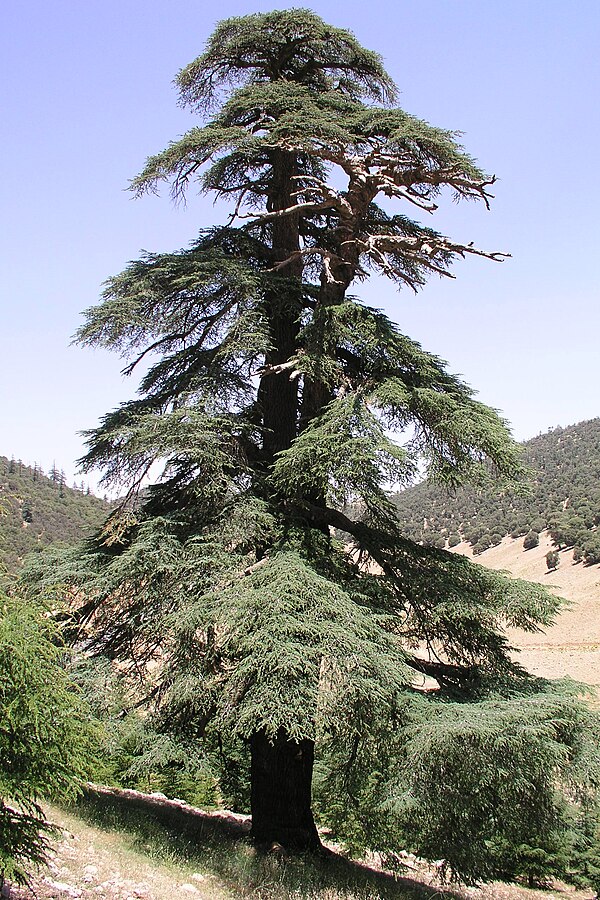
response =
{"points": [[434, 540], [454, 539], [45, 734], [531, 540], [552, 559], [591, 550]]}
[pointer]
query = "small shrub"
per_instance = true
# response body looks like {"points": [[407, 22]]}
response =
{"points": [[531, 540], [45, 735]]}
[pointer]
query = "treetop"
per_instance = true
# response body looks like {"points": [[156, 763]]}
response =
{"points": [[283, 45]]}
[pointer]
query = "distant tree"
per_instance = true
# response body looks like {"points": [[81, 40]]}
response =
{"points": [[591, 549], [538, 524], [26, 511], [454, 539], [552, 559], [433, 539], [577, 554], [531, 540]]}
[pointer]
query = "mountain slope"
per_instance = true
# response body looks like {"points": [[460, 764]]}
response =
{"points": [[563, 496], [572, 645], [36, 511]]}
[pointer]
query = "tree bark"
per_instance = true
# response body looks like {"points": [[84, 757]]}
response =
{"points": [[281, 775], [277, 395]]}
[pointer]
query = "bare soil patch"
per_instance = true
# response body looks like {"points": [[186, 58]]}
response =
{"points": [[571, 647]]}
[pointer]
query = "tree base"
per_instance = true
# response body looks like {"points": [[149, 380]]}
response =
{"points": [[281, 772]]}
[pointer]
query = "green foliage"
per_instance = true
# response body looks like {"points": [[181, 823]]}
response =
{"points": [[454, 539], [562, 495], [35, 514], [531, 540], [268, 402], [552, 559], [591, 549], [46, 742], [472, 783]]}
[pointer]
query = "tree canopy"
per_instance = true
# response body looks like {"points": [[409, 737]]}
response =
{"points": [[249, 602]]}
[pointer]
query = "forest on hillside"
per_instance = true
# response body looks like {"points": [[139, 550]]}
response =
{"points": [[38, 510], [561, 495]]}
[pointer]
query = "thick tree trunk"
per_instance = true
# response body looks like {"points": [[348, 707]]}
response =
{"points": [[281, 770], [277, 395], [281, 774]]}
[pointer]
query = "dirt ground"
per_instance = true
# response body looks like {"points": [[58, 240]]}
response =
{"points": [[572, 645], [90, 863]]}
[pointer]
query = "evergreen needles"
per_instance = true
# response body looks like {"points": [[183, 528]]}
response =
{"points": [[267, 403]]}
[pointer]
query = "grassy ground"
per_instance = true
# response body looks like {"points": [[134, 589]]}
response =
{"points": [[109, 863], [219, 850], [111, 848]]}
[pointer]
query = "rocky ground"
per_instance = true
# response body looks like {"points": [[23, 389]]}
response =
{"points": [[93, 863]]}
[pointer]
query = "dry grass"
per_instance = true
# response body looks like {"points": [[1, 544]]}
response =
{"points": [[572, 645], [107, 864], [107, 850]]}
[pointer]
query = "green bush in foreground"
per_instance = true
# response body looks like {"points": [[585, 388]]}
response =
{"points": [[45, 733]]}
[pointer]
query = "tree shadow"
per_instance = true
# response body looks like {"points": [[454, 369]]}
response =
{"points": [[218, 844]]}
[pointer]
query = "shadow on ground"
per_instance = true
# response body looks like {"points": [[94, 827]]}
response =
{"points": [[217, 844]]}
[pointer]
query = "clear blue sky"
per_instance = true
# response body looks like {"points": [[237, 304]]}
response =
{"points": [[87, 94]]}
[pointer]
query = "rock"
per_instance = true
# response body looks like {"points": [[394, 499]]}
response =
{"points": [[198, 877], [69, 889], [189, 888]]}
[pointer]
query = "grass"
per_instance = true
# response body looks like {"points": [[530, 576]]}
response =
{"points": [[188, 846], [122, 865]]}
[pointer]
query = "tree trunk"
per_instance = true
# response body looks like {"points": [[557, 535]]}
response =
{"points": [[277, 395], [281, 774]]}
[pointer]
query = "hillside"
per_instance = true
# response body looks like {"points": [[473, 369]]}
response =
{"points": [[572, 645], [562, 497], [561, 510], [118, 848], [38, 510]]}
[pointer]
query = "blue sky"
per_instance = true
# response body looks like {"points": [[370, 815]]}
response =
{"points": [[87, 95]]}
